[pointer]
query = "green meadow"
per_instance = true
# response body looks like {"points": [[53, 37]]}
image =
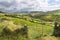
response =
{"points": [[39, 26]]}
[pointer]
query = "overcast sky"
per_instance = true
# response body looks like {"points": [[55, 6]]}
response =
{"points": [[29, 5]]}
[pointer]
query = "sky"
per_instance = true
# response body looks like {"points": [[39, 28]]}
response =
{"points": [[29, 5]]}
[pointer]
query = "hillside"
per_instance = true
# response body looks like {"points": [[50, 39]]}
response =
{"points": [[34, 22]]}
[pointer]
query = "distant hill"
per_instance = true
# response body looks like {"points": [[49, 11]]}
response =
{"points": [[34, 12], [1, 12]]}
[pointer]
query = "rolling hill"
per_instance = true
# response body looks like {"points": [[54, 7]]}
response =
{"points": [[35, 22]]}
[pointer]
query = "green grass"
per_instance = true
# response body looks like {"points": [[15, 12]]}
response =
{"points": [[34, 29]]}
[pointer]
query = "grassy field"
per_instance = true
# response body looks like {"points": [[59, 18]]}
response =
{"points": [[40, 28]]}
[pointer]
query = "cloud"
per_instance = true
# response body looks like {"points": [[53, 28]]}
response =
{"points": [[54, 2], [29, 5]]}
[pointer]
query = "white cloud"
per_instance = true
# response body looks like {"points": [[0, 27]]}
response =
{"points": [[35, 5], [56, 0]]}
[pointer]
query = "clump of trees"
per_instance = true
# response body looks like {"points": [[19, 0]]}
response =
{"points": [[56, 29]]}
